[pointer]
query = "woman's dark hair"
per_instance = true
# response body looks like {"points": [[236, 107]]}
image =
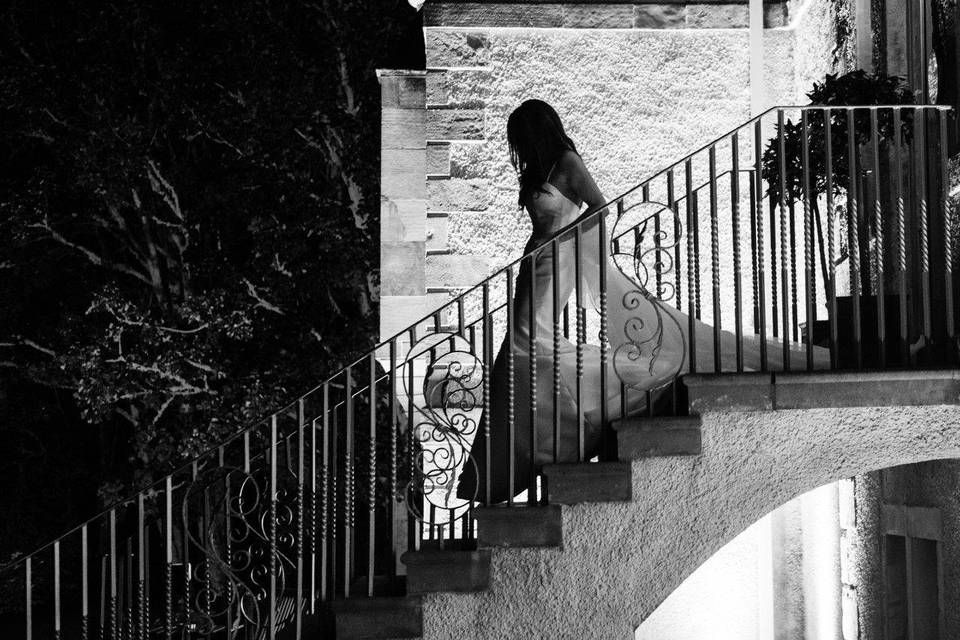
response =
{"points": [[536, 139]]}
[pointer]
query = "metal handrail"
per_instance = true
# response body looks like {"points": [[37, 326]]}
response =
{"points": [[368, 362], [585, 217]]}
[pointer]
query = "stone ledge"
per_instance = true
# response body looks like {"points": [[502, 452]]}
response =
{"points": [[865, 389], [580, 482], [370, 618], [658, 436], [729, 392], [544, 14], [539, 526], [801, 390], [433, 571]]}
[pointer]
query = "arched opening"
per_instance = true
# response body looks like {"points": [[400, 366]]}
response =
{"points": [[863, 558]]}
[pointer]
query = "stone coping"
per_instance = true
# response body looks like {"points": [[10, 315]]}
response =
{"points": [[816, 390], [596, 2], [642, 14]]}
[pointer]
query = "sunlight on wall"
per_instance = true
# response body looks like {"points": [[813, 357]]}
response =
{"points": [[780, 576], [721, 600]]}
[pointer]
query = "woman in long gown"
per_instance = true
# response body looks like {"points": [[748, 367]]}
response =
{"points": [[646, 339]]}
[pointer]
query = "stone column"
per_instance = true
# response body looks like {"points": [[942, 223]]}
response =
{"points": [[403, 198]]}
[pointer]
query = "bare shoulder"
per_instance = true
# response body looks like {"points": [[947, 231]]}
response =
{"points": [[570, 162]]}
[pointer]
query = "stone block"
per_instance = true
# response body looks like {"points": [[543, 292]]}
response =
{"points": [[454, 124], [402, 268], [729, 392], [660, 436], [402, 89], [437, 229], [372, 618], [403, 173], [718, 16], [438, 92], [433, 571], [598, 16], [450, 270], [458, 194], [438, 159], [866, 389], [538, 526], [454, 48], [402, 220], [576, 483], [478, 14], [397, 313], [775, 14], [403, 128], [659, 16]]}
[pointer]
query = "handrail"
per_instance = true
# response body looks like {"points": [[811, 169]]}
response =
{"points": [[586, 217]]}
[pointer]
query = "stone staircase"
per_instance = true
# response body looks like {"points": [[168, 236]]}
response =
{"points": [[615, 538]]}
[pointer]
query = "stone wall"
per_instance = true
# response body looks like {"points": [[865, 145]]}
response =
{"points": [[928, 485], [638, 85], [619, 561]]}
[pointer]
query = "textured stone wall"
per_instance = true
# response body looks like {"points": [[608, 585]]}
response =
{"points": [[633, 99], [619, 561], [931, 484]]}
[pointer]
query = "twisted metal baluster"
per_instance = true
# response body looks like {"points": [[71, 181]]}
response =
{"points": [[692, 292], [85, 587], [947, 224], [487, 357], [919, 123], [532, 496], [301, 494], [761, 272], [854, 231], [581, 331], [807, 236], [901, 237], [272, 631], [56, 590], [372, 474], [735, 213], [168, 541], [831, 226], [878, 223], [784, 240], [715, 258], [511, 394], [114, 631]]}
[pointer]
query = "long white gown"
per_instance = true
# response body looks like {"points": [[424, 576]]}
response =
{"points": [[647, 349]]}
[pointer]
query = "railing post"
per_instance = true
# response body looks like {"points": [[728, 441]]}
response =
{"points": [[784, 240]]}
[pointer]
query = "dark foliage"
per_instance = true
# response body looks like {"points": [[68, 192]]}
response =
{"points": [[188, 219], [855, 88]]}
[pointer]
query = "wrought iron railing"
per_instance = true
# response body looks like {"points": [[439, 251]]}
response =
{"points": [[319, 500]]}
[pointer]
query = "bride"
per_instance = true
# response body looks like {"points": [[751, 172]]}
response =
{"points": [[646, 345]]}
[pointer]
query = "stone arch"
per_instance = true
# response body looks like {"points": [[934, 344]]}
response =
{"points": [[619, 561]]}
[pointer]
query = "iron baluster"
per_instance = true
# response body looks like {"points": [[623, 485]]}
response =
{"points": [[880, 285], [808, 262]]}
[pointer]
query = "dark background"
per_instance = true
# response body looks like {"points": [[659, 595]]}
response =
{"points": [[189, 228]]}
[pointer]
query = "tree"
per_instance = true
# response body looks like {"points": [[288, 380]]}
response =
{"points": [[188, 212]]}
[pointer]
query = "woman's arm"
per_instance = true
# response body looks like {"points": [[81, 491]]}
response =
{"points": [[581, 182]]}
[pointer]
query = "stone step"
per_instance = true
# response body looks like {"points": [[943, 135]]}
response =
{"points": [[520, 526], [579, 482], [639, 438], [432, 571], [378, 618]]}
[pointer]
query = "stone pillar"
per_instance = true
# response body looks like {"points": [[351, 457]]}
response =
{"points": [[863, 17], [403, 198]]}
